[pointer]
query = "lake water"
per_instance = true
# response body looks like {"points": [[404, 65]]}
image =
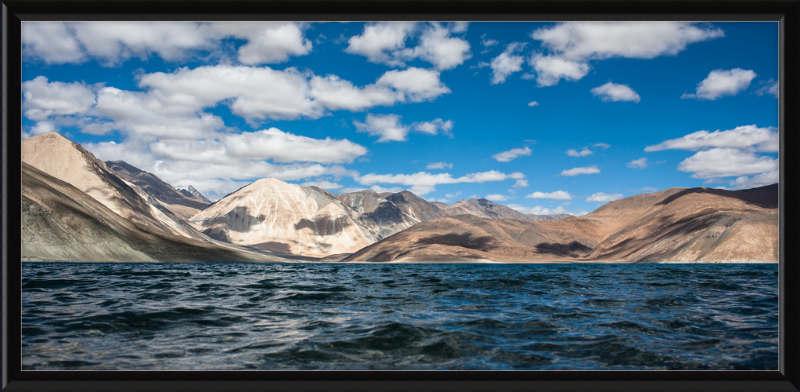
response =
{"points": [[219, 316]]}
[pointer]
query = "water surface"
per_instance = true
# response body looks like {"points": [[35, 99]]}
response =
{"points": [[224, 316]]}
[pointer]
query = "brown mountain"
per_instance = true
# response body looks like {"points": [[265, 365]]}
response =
{"points": [[677, 224], [415, 206], [65, 160], [307, 221], [62, 223], [182, 205]]}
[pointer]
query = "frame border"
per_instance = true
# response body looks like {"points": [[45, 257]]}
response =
{"points": [[787, 378]]}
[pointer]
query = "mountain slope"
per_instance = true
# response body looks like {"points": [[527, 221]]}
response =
{"points": [[179, 203], [62, 223], [677, 224], [65, 160], [292, 220]]}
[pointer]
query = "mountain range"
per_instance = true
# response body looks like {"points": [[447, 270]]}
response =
{"points": [[76, 207]]}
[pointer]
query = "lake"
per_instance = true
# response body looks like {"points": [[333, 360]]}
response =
{"points": [[237, 316]]}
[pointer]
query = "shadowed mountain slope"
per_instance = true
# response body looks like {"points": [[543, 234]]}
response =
{"points": [[179, 203], [676, 224], [62, 223]]}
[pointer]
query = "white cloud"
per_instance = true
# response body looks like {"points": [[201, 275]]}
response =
{"points": [[726, 162], [533, 103], [268, 42], [538, 210], [772, 87], [280, 146], [433, 127], [521, 184], [745, 136], [580, 170], [573, 44], [721, 83], [439, 165], [114, 42], [43, 99], [379, 41], [604, 197], [640, 163], [488, 43], [573, 153], [385, 43], [557, 195], [602, 145], [496, 197], [322, 184], [506, 63], [423, 182], [550, 69], [649, 189], [42, 127], [508, 156], [387, 126], [452, 195], [762, 179], [50, 42], [611, 92]]}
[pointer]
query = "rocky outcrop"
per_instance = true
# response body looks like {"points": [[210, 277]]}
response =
{"points": [[292, 220], [65, 160], [62, 223], [182, 205], [677, 224], [192, 192]]}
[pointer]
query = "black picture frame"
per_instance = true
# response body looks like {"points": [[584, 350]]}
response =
{"points": [[787, 378]]}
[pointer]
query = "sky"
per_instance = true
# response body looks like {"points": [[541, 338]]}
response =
{"points": [[542, 117]]}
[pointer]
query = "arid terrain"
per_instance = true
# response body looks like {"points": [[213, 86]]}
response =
{"points": [[76, 207]]}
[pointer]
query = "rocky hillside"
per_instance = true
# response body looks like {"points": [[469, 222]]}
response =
{"points": [[65, 160], [182, 205], [62, 223], [677, 224], [292, 220]]}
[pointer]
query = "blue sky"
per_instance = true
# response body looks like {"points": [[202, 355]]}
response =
{"points": [[543, 117]]}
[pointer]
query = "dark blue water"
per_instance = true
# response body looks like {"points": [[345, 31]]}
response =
{"points": [[130, 316]]}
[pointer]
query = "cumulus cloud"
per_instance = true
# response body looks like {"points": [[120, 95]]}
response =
{"points": [[726, 162], [115, 42], [43, 98], [508, 156], [580, 170], [611, 92], [721, 83], [488, 43], [423, 182], [538, 210], [557, 195], [640, 163], [496, 197], [507, 63], [604, 197], [439, 165], [387, 126], [452, 195], [385, 43], [573, 44], [280, 146], [533, 103], [745, 136], [745, 182], [601, 145], [435, 126], [42, 127], [521, 184], [574, 153]]}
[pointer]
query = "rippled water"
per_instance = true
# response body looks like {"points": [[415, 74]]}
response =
{"points": [[401, 316]]}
